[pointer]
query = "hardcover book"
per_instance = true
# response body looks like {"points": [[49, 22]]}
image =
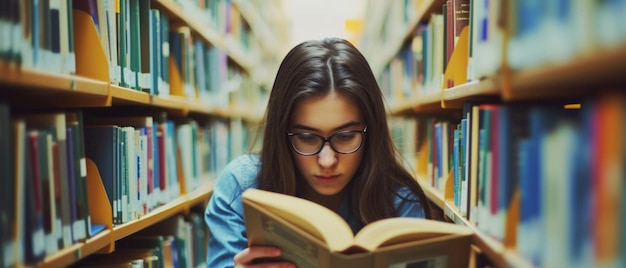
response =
{"points": [[311, 235]]}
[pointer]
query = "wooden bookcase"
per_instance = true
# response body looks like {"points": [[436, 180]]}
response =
{"points": [[90, 87], [580, 78]]}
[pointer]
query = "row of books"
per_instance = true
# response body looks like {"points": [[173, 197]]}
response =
{"points": [[179, 242], [38, 35], [542, 179], [142, 162], [147, 52], [144, 47], [435, 55], [384, 20], [46, 198], [222, 15]]}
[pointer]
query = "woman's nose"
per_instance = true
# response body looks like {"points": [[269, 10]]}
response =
{"points": [[327, 157]]}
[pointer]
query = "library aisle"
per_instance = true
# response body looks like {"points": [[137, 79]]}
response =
{"points": [[116, 116]]}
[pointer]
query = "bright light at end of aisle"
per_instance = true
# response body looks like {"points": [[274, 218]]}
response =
{"points": [[316, 19]]}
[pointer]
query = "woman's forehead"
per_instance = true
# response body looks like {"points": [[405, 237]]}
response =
{"points": [[326, 112]]}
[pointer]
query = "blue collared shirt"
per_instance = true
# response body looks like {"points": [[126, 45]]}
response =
{"points": [[224, 213]]}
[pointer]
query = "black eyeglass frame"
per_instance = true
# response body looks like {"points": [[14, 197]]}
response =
{"points": [[327, 139]]}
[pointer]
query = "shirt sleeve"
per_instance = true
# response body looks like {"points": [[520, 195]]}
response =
{"points": [[224, 214], [408, 204]]}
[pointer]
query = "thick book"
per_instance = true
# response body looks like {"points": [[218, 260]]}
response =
{"points": [[311, 235]]}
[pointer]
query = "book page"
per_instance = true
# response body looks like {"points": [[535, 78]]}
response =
{"points": [[394, 231], [311, 217]]}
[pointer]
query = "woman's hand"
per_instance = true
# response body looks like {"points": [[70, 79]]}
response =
{"points": [[247, 257]]}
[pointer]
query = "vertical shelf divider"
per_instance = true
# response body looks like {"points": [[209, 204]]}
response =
{"points": [[91, 61]]}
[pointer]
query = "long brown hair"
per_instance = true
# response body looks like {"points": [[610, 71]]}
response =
{"points": [[314, 68]]}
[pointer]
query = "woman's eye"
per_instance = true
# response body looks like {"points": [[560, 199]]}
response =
{"points": [[345, 136], [307, 138]]}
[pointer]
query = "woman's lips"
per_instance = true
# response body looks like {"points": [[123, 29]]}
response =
{"points": [[327, 179]]}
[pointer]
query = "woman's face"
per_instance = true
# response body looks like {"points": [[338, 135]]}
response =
{"points": [[327, 172]]}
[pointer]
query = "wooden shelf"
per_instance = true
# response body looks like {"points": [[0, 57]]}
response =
{"points": [[97, 243], [126, 95], [575, 79], [579, 76], [196, 106], [176, 206], [178, 16], [13, 76], [63, 257], [262, 31], [495, 250], [34, 87], [381, 56], [470, 90], [76, 252], [25, 89], [161, 213], [176, 105], [201, 194]]}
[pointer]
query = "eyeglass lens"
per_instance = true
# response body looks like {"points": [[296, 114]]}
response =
{"points": [[342, 142]]}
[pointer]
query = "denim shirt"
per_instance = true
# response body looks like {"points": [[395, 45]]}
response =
{"points": [[224, 213]]}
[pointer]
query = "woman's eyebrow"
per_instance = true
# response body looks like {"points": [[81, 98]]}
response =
{"points": [[346, 125]]}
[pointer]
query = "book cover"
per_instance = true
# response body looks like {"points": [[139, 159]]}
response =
{"points": [[56, 123], [134, 52], [34, 236], [321, 238], [77, 233], [145, 161], [14, 252], [154, 49], [83, 223], [6, 171], [49, 205], [146, 32], [101, 146]]}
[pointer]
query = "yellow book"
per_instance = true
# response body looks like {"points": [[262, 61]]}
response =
{"points": [[311, 235]]}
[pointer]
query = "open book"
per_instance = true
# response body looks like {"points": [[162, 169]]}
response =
{"points": [[311, 235]]}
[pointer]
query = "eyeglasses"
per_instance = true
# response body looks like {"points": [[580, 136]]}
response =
{"points": [[343, 142]]}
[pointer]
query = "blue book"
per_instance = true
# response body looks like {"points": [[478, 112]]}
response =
{"points": [[464, 156], [582, 216], [484, 165], [172, 167], [439, 153], [455, 167], [71, 177]]}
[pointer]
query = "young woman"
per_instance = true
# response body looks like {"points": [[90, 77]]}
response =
{"points": [[325, 139]]}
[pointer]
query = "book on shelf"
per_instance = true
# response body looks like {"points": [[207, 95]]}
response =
{"points": [[152, 245], [81, 227], [14, 250], [321, 238], [7, 199], [145, 151], [34, 239], [126, 257], [55, 123], [102, 146]]}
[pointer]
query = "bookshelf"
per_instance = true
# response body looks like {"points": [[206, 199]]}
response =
{"points": [[92, 87], [581, 84]]}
